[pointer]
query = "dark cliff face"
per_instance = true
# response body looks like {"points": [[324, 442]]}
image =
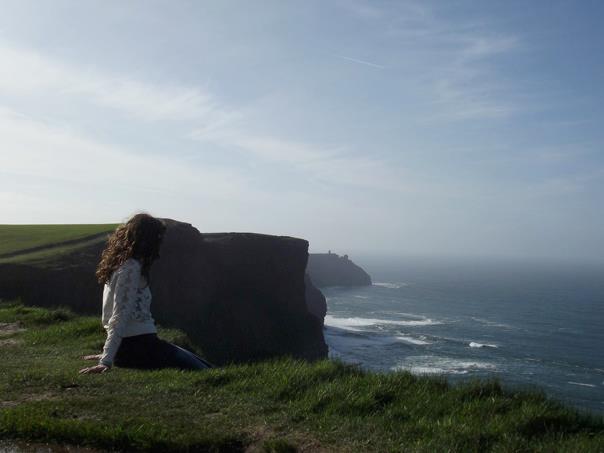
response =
{"points": [[329, 269], [315, 300], [239, 296]]}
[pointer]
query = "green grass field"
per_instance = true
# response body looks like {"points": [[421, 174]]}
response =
{"points": [[14, 238], [281, 406], [35, 244]]}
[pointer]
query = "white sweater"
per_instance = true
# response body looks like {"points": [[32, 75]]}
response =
{"points": [[126, 308]]}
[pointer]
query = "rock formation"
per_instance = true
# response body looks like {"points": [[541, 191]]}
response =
{"points": [[239, 296], [329, 269], [315, 300]]}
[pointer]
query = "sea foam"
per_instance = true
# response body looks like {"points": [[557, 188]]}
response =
{"points": [[354, 323], [582, 384], [482, 345], [411, 340], [390, 285], [442, 365]]}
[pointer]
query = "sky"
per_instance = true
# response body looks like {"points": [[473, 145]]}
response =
{"points": [[437, 128]]}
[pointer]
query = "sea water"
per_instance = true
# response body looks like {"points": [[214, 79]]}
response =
{"points": [[531, 325]]}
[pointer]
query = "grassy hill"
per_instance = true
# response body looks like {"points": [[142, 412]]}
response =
{"points": [[35, 243], [279, 406]]}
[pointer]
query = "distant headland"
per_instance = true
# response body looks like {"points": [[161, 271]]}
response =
{"points": [[330, 269]]}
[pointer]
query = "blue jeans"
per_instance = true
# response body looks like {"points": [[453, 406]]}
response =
{"points": [[151, 353]]}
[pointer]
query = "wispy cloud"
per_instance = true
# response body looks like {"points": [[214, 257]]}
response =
{"points": [[208, 121], [367, 63], [28, 73], [322, 164], [41, 151], [363, 9], [453, 60]]}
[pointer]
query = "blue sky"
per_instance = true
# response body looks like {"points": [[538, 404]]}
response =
{"points": [[403, 127]]}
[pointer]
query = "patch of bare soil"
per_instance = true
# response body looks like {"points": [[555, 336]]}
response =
{"points": [[302, 442], [10, 328], [8, 404], [45, 396], [8, 342]]}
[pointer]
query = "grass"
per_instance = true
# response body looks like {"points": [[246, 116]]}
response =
{"points": [[48, 256], [43, 244], [14, 238], [275, 406]]}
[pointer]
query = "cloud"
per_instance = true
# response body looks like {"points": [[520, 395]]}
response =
{"points": [[28, 73], [453, 69], [480, 46], [321, 164], [59, 155], [362, 9], [31, 74], [38, 151], [367, 63]]}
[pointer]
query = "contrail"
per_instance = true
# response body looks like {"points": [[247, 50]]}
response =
{"points": [[368, 63]]}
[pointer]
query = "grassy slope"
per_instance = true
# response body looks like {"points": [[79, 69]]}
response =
{"points": [[18, 237], [271, 406]]}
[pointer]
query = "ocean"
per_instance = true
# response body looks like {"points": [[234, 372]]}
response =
{"points": [[530, 325]]}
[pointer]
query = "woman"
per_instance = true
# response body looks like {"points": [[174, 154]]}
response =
{"points": [[131, 333]]}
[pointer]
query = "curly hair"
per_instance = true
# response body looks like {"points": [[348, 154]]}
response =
{"points": [[140, 238]]}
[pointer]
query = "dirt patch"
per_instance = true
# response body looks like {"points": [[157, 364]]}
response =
{"points": [[259, 434], [45, 396], [8, 404], [8, 342], [264, 435], [10, 328]]}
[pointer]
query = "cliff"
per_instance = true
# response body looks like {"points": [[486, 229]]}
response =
{"points": [[239, 296], [329, 269], [315, 300]]}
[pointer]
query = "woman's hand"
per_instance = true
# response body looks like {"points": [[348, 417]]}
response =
{"points": [[92, 357], [95, 369]]}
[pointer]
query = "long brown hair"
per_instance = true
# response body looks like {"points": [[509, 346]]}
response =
{"points": [[140, 238]]}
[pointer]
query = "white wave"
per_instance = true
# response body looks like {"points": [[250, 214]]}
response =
{"points": [[354, 323], [406, 315], [361, 297], [420, 370], [411, 340], [482, 345], [583, 384], [390, 285], [489, 323], [422, 322], [442, 365]]}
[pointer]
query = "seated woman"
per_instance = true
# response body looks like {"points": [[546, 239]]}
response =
{"points": [[131, 333]]}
